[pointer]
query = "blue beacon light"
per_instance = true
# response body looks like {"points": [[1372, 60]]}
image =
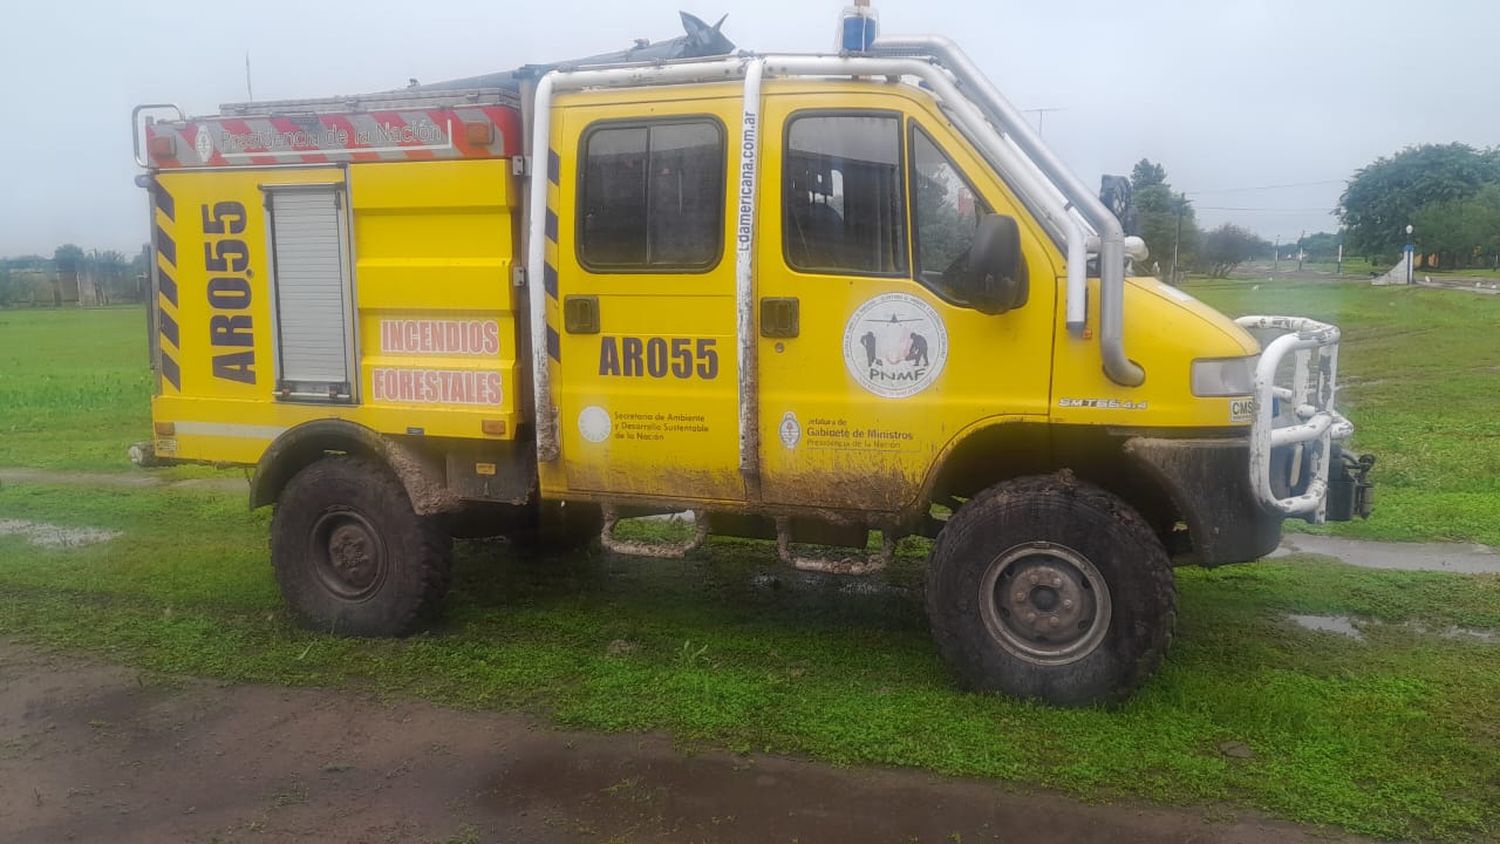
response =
{"points": [[858, 26]]}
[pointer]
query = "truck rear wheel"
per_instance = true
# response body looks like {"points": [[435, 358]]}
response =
{"points": [[351, 556], [1052, 589]]}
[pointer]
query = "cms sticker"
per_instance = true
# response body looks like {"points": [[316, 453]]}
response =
{"points": [[895, 345], [1242, 410]]}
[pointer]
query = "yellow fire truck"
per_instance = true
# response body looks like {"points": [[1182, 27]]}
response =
{"points": [[806, 297]]}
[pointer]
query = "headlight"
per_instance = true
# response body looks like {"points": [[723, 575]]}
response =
{"points": [[1224, 376]]}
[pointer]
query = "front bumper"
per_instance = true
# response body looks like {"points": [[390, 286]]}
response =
{"points": [[1295, 459]]}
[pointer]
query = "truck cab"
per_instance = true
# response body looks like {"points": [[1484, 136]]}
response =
{"points": [[807, 298]]}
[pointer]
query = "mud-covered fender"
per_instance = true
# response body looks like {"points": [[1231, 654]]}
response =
{"points": [[1209, 482], [422, 474]]}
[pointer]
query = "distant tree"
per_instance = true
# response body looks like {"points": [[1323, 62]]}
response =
{"points": [[1461, 231], [140, 262], [1157, 216], [1147, 174], [108, 270], [1228, 246], [67, 258], [1157, 210], [1385, 196], [1321, 246]]}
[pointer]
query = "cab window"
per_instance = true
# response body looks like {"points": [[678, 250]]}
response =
{"points": [[945, 216], [844, 211], [652, 196]]}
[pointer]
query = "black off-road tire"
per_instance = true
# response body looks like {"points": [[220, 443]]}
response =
{"points": [[1021, 536], [351, 556]]}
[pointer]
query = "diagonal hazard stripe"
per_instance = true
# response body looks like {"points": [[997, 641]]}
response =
{"points": [[170, 371], [554, 166], [165, 203], [168, 327], [554, 344], [551, 225], [549, 279], [168, 286], [166, 246]]}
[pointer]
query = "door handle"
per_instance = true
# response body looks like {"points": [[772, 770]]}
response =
{"points": [[780, 317], [581, 314]]}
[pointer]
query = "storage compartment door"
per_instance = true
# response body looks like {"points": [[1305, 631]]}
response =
{"points": [[314, 307]]}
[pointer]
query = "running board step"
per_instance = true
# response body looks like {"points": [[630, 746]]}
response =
{"points": [[856, 563], [664, 550]]}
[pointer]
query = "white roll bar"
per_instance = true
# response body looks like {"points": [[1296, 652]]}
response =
{"points": [[744, 276], [1120, 368], [1039, 196]]}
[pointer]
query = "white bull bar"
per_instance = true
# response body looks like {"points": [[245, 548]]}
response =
{"points": [[1309, 410]]}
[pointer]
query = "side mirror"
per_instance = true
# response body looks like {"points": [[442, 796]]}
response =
{"points": [[996, 280]]}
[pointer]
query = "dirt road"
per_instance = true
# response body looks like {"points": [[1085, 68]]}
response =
{"points": [[95, 752]]}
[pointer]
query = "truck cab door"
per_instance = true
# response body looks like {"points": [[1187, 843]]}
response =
{"points": [[645, 356], [871, 202]]}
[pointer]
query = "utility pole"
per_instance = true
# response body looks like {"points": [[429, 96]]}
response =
{"points": [[1276, 257], [1301, 253], [1177, 241], [1411, 255], [1341, 258]]}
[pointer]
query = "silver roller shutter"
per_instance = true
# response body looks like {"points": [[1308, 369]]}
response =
{"points": [[313, 309]]}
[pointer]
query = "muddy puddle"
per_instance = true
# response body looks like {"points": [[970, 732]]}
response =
{"points": [[814, 582], [1354, 628], [45, 535], [1454, 557]]}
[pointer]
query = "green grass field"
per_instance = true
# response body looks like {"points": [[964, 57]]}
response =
{"points": [[74, 387], [1397, 735]]}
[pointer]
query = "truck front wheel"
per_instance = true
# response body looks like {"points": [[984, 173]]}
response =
{"points": [[351, 556], [1051, 589]]}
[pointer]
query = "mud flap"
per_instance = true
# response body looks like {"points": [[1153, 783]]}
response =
{"points": [[1210, 486]]}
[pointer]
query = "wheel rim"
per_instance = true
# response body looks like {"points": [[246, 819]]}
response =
{"points": [[1045, 603], [348, 554]]}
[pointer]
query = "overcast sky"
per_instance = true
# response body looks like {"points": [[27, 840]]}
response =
{"points": [[1227, 94]]}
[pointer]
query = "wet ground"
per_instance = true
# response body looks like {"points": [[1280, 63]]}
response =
{"points": [[1454, 557], [224, 482], [44, 535], [93, 752], [1356, 628]]}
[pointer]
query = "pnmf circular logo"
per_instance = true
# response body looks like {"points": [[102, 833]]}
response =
{"points": [[895, 345]]}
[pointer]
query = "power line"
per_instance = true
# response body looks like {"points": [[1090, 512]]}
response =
{"points": [[1270, 187], [1265, 210]]}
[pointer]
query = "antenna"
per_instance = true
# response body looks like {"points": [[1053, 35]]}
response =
{"points": [[1041, 114], [249, 91]]}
